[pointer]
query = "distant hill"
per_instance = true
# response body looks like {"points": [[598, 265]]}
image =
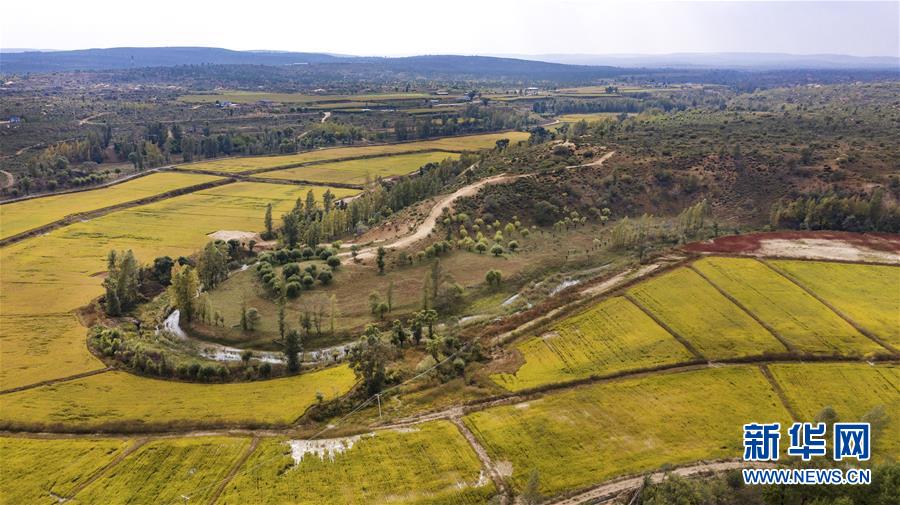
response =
{"points": [[748, 61], [17, 61]]}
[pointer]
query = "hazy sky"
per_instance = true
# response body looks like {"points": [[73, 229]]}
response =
{"points": [[403, 27]]}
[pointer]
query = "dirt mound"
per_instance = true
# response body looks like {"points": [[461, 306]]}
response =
{"points": [[243, 236]]}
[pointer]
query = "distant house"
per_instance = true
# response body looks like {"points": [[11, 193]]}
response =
{"points": [[441, 92], [531, 90]]}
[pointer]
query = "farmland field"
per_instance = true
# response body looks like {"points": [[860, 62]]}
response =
{"points": [[867, 294], [589, 117], [253, 96], [628, 426], [163, 471], [611, 336], [716, 327], [360, 171], [429, 463], [35, 468], [463, 143], [123, 398], [852, 390], [795, 315], [23, 216]]}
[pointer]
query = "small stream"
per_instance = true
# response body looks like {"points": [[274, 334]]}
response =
{"points": [[219, 352]]}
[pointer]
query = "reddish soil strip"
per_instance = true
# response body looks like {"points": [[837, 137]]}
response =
{"points": [[752, 242]]}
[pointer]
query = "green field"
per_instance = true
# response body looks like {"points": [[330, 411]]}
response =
{"points": [[163, 471], [867, 294], [463, 143], [22, 216], [429, 463], [294, 98], [120, 398], [590, 117], [38, 471], [684, 301], [610, 337], [795, 315], [360, 171], [852, 390], [590, 434]]}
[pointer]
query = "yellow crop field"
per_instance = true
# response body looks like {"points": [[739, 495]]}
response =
{"points": [[163, 471], [684, 301], [361, 171], [611, 336], [22, 216], [59, 272], [794, 314], [591, 117], [463, 143], [852, 390], [867, 294], [123, 398], [253, 96], [428, 463], [36, 348], [38, 471], [590, 434]]}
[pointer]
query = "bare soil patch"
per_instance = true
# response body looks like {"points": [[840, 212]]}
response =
{"points": [[820, 245]]}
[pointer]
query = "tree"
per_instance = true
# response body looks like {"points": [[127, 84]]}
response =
{"points": [[290, 229], [497, 250], [398, 336], [333, 261], [183, 291], [493, 277], [253, 318], [390, 296], [368, 358], [513, 246], [332, 313], [379, 260], [212, 266], [162, 270], [281, 306], [436, 277], [292, 350], [269, 226]]}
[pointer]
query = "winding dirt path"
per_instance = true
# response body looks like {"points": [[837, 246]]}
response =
{"points": [[610, 490], [326, 116], [427, 226], [10, 179]]}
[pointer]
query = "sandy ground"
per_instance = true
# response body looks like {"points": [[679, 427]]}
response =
{"points": [[243, 236], [811, 248]]}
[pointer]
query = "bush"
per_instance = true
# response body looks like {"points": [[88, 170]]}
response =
{"points": [[334, 262], [290, 269], [292, 289], [325, 277]]}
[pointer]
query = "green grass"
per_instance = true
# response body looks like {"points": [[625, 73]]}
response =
{"points": [[610, 337], [852, 390], [688, 304], [591, 434], [165, 470], [122, 399], [360, 171], [867, 294], [795, 315], [430, 463], [31, 469], [23, 216]]}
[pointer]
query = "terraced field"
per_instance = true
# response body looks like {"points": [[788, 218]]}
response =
{"points": [[120, 399], [165, 470], [626, 426], [853, 390], [717, 328], [610, 337], [360, 171], [798, 317], [37, 471], [867, 294], [463, 143], [429, 463], [22, 216]]}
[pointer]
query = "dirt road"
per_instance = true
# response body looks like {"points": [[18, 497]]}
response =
{"points": [[326, 116], [595, 163], [427, 226], [613, 489]]}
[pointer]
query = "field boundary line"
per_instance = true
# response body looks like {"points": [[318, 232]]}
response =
{"points": [[604, 493], [778, 336], [690, 347], [764, 369], [299, 164], [56, 381], [487, 464], [109, 184], [234, 470], [93, 214], [99, 473], [834, 309]]}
